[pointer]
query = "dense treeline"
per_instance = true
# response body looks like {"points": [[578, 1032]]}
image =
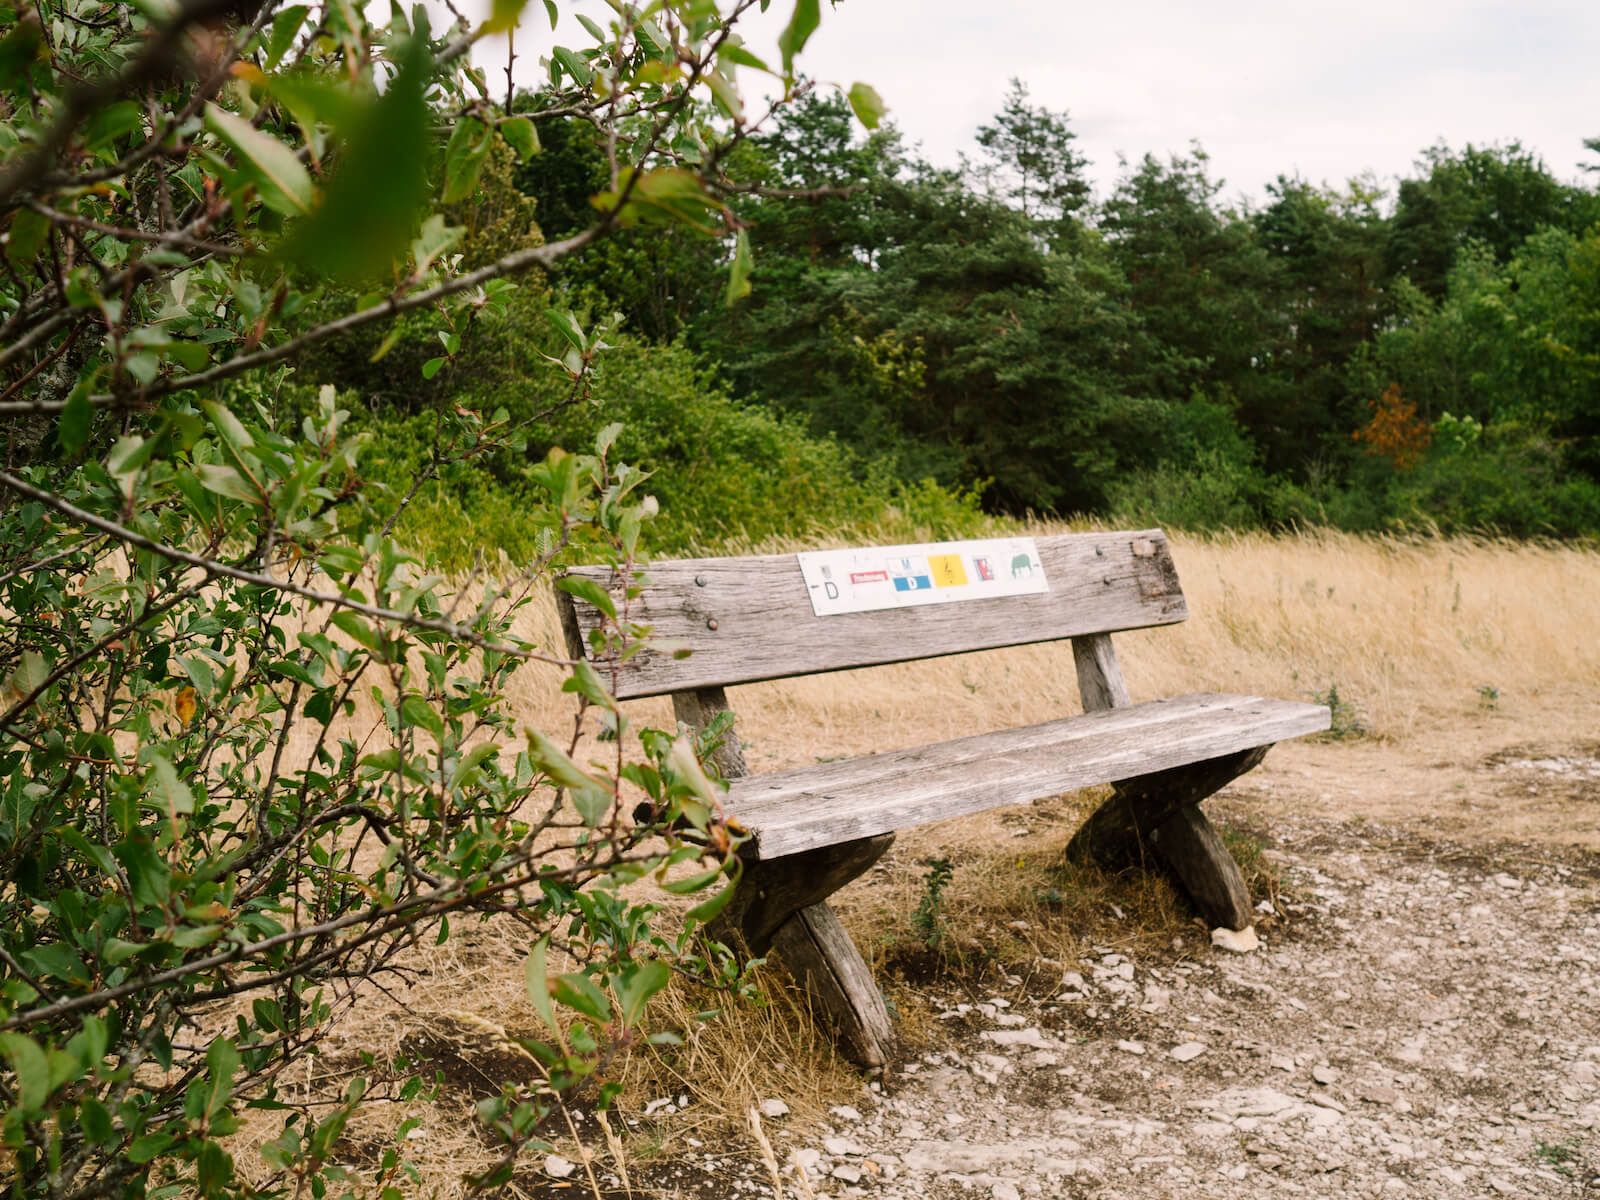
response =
{"points": [[920, 340]]}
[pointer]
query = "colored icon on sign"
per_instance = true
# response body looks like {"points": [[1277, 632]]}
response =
{"points": [[984, 568], [947, 570], [859, 577]]}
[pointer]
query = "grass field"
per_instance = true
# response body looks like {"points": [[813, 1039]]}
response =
{"points": [[1440, 652]]}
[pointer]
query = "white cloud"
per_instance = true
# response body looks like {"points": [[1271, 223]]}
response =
{"points": [[1321, 89]]}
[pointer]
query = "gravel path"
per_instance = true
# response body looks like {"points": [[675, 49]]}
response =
{"points": [[1425, 1023]]}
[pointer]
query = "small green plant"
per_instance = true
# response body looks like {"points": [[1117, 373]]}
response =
{"points": [[928, 920], [1347, 720], [1561, 1157], [1488, 696]]}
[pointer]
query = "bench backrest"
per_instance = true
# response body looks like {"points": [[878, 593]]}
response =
{"points": [[748, 619]]}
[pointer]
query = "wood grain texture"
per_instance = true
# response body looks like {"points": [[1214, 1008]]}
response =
{"points": [[1100, 682], [1121, 832], [816, 948], [797, 810], [773, 890], [748, 619], [1191, 848]]}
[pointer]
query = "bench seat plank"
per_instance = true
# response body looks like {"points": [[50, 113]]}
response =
{"points": [[800, 809]]}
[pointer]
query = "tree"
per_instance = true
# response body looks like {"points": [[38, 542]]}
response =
{"points": [[1030, 161], [1330, 293], [1496, 195], [1202, 288], [252, 749]]}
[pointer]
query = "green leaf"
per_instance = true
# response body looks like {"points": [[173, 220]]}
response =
{"points": [[867, 104], [226, 481], [149, 875], [112, 122], [725, 94], [32, 1069], [26, 237], [129, 454], [432, 366], [464, 158], [467, 769], [229, 426], [736, 52], [707, 910], [149, 1147], [802, 24], [374, 203], [590, 592], [591, 797], [415, 710], [279, 177], [580, 993], [504, 15], [692, 883], [222, 1063], [23, 47], [284, 26], [32, 670], [739, 271], [171, 794], [521, 135], [635, 984], [58, 961], [95, 1119], [586, 682], [566, 324], [574, 65], [537, 982]]}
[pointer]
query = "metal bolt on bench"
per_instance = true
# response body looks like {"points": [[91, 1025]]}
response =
{"points": [[818, 827]]}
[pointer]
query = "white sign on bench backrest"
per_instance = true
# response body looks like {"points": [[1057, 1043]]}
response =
{"points": [[878, 577]]}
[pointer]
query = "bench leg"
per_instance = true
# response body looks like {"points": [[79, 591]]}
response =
{"points": [[781, 905], [816, 948], [1158, 815]]}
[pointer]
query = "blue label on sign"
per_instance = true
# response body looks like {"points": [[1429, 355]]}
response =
{"points": [[912, 583]]}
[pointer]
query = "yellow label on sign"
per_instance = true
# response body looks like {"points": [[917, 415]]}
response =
{"points": [[947, 570]]}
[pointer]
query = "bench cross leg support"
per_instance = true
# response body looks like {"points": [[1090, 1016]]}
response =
{"points": [[782, 905], [1158, 816]]}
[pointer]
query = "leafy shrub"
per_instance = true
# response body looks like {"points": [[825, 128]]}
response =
{"points": [[722, 471]]}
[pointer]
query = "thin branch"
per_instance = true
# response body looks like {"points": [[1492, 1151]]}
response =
{"points": [[84, 100], [213, 568], [521, 260]]}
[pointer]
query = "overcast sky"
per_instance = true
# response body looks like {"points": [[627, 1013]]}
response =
{"points": [[1325, 90]]}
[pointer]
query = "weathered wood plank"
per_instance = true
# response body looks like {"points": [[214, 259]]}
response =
{"points": [[1100, 682], [1121, 832], [747, 619], [840, 802], [773, 890], [1192, 849], [816, 948]]}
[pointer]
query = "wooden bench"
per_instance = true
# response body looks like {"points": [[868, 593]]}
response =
{"points": [[815, 828]]}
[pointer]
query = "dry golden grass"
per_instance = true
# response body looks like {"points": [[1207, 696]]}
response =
{"points": [[1408, 631]]}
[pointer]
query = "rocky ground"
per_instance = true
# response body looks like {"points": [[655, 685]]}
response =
{"points": [[1420, 1019]]}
